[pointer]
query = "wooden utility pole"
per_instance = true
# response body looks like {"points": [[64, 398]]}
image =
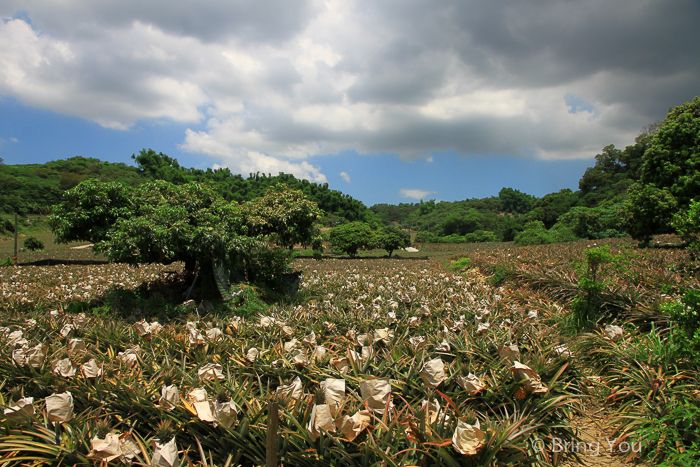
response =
{"points": [[272, 424], [16, 239]]}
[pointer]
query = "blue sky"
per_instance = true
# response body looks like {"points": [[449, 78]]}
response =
{"points": [[389, 103]]}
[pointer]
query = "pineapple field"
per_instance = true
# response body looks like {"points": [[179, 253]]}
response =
{"points": [[495, 356]]}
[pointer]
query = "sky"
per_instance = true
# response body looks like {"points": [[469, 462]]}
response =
{"points": [[387, 101]]}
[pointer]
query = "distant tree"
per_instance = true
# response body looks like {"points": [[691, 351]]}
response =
{"points": [[350, 237], [286, 216], [548, 208], [33, 244], [391, 238], [1, 161], [670, 176], [515, 200]]}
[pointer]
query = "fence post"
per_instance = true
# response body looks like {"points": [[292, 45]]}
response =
{"points": [[272, 424], [16, 259]]}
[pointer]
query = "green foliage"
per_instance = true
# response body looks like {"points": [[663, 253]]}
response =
{"points": [[33, 188], [89, 211], [7, 226], [348, 238], [159, 222], [535, 233], [648, 211], [670, 178], [516, 201], [391, 238], [33, 244], [686, 315], [687, 225], [499, 275], [604, 221], [592, 283], [286, 217], [560, 233], [548, 208], [461, 264], [677, 427], [615, 171], [249, 301]]}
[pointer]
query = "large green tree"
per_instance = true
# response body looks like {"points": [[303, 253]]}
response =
{"points": [[162, 222], [350, 237], [670, 176], [391, 238]]}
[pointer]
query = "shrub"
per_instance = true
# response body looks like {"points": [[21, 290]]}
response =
{"points": [[33, 244], [534, 234], [686, 314]]}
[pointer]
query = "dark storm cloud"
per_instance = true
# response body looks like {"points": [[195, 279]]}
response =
{"points": [[215, 20]]}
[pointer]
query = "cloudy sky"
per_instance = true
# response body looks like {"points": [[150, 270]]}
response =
{"points": [[388, 101]]}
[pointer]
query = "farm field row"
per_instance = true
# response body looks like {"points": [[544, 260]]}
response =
{"points": [[393, 362]]}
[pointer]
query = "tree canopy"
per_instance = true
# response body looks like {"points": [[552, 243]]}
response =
{"points": [[670, 174], [161, 222], [350, 237], [391, 238]]}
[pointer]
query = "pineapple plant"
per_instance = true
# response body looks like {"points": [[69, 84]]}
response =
{"points": [[165, 431]]}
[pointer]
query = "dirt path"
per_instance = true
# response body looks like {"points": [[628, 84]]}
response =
{"points": [[598, 445]]}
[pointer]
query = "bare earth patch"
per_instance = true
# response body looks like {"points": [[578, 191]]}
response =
{"points": [[598, 445]]}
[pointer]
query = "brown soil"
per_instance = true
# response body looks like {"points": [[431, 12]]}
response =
{"points": [[598, 443]]}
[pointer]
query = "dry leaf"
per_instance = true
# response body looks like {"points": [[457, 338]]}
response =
{"points": [[225, 413], [384, 336], [215, 334], [613, 333], [64, 368], [472, 384], [164, 455], [509, 352], [106, 449], [291, 345], [143, 328], [333, 392], [90, 369], [20, 408], [310, 339], [252, 354], [75, 345]]}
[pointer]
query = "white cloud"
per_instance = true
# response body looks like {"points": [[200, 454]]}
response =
{"points": [[320, 77], [245, 162], [415, 193], [345, 176]]}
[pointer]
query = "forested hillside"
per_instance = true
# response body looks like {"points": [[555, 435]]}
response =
{"points": [[33, 188], [596, 210]]}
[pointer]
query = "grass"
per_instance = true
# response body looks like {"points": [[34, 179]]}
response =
{"points": [[52, 250]]}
